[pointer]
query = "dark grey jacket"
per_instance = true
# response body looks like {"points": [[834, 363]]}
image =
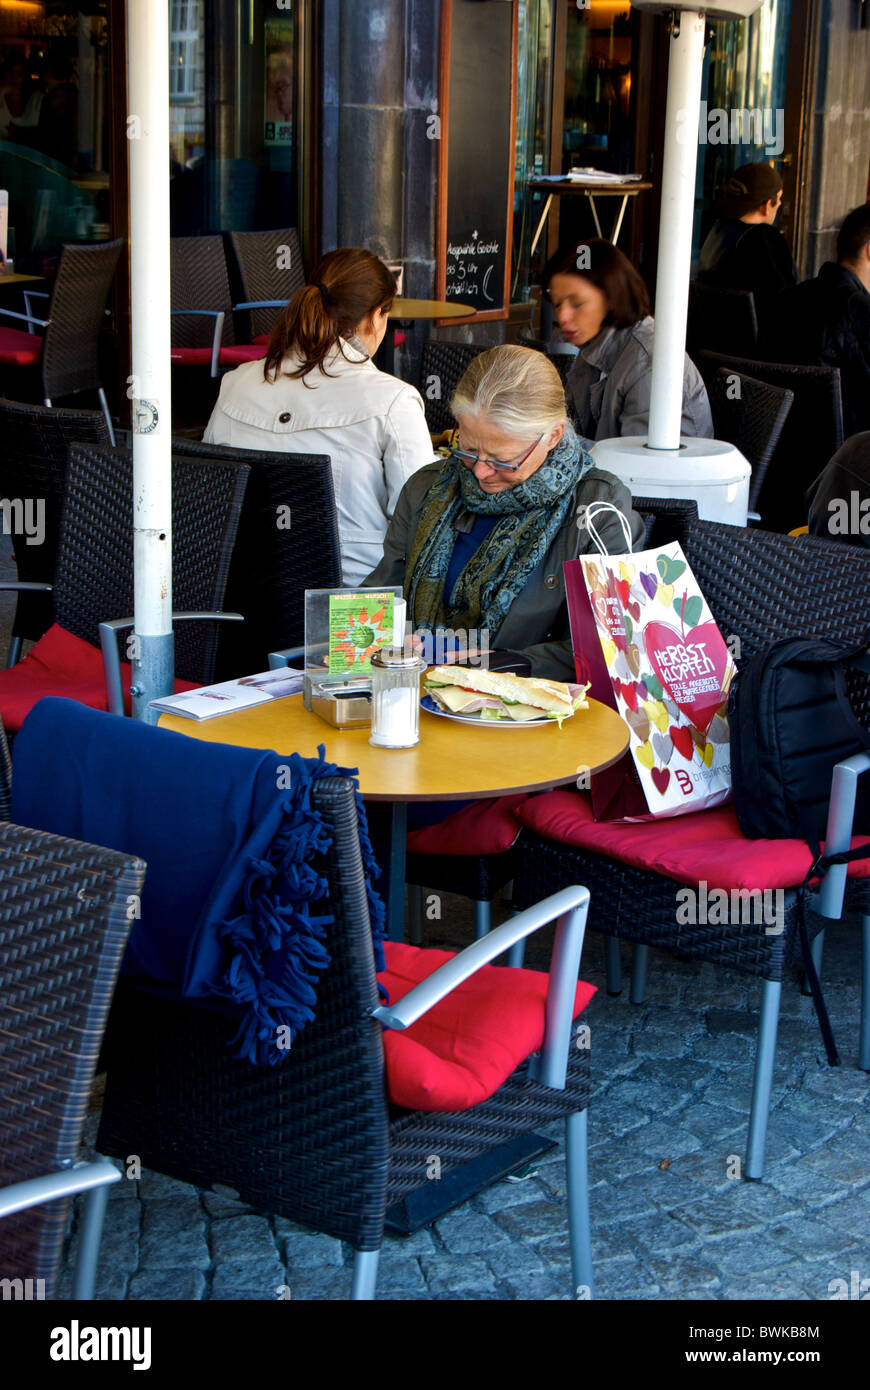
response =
{"points": [[537, 621], [610, 386]]}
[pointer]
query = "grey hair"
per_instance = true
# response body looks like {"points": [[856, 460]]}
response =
{"points": [[517, 388]]}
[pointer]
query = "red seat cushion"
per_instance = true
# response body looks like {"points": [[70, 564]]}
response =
{"points": [[261, 338], [191, 357], [468, 1045], [249, 352], [60, 664], [706, 846], [18, 348], [484, 827]]}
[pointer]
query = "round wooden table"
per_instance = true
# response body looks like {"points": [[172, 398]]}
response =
{"points": [[405, 311], [452, 761]]}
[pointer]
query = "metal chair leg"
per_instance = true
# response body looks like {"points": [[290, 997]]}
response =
{"points": [[365, 1274], [579, 1230], [612, 965], [14, 652], [482, 919], [92, 1215], [517, 954], [863, 1040], [105, 405], [639, 962], [763, 1078], [415, 914]]}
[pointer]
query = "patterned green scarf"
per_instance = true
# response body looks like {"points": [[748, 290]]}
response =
{"points": [[530, 517]]}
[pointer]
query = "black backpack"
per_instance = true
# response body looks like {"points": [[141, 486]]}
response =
{"points": [[790, 723]]}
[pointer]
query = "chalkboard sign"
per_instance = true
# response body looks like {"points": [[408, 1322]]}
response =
{"points": [[476, 164]]}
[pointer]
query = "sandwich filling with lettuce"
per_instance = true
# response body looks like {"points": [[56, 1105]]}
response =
{"points": [[496, 695]]}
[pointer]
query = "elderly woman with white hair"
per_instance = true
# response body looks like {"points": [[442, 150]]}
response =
{"points": [[478, 541]]}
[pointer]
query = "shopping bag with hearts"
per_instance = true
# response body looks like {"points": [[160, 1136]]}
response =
{"points": [[644, 637]]}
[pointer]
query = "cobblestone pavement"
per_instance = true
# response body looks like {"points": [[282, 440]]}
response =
{"points": [[666, 1125]]}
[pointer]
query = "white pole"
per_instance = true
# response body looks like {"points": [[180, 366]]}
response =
{"points": [[675, 228], [151, 645]]}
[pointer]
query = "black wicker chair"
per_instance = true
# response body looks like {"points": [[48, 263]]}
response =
{"points": [[287, 542], [441, 369], [760, 587], [313, 1138], [750, 415], [34, 443], [270, 269], [720, 320], [203, 334], [812, 434], [64, 920], [66, 358], [94, 575]]}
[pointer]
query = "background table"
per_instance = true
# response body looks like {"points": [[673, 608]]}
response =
{"points": [[405, 311], [592, 191], [452, 761]]}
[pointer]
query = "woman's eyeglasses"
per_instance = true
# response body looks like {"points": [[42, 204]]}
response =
{"points": [[470, 459]]}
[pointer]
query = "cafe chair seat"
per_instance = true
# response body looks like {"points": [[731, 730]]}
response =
{"points": [[61, 664], [19, 349], [468, 1045]]}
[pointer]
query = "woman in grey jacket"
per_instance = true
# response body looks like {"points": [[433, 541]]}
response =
{"points": [[602, 307], [478, 541]]}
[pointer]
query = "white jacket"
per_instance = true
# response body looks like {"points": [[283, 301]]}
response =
{"points": [[372, 426]]}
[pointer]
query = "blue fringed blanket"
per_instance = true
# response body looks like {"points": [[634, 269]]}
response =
{"points": [[231, 841]]}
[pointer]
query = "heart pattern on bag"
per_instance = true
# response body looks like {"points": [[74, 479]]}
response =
{"points": [[662, 747], [661, 777], [681, 738]]}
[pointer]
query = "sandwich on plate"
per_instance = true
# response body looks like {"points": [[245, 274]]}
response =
{"points": [[498, 696]]}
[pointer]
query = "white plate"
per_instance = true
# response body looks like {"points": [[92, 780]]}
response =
{"points": [[427, 703]]}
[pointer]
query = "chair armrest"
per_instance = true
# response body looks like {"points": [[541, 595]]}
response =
{"points": [[25, 586], [838, 835], [217, 337], [279, 659], [569, 906], [26, 318], [82, 1177], [263, 304], [112, 661]]}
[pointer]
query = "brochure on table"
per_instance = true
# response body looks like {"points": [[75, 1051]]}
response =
{"points": [[228, 697]]}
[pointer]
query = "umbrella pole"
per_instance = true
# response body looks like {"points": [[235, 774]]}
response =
{"points": [[685, 64], [150, 646]]}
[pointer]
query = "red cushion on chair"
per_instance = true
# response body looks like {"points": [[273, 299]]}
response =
{"points": [[191, 357], [484, 827], [468, 1045], [261, 338], [249, 352], [18, 348], [60, 664], [706, 846]]}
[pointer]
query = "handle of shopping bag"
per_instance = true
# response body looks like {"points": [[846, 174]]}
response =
{"points": [[593, 510]]}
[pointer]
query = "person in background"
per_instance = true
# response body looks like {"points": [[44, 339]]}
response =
{"points": [[744, 250], [19, 103], [602, 307], [478, 539], [839, 500], [319, 392], [57, 129], [826, 320]]}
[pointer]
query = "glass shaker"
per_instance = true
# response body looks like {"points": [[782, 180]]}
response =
{"points": [[395, 698]]}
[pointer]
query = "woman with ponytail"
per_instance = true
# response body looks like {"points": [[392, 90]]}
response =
{"points": [[319, 392]]}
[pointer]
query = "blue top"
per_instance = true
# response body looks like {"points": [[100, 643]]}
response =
{"points": [[463, 548]]}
